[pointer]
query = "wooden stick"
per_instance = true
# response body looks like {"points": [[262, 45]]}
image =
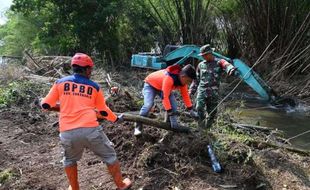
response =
{"points": [[58, 72], [33, 61], [248, 126], [281, 146]]}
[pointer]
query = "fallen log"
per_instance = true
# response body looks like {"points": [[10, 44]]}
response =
{"points": [[144, 120], [154, 123], [137, 118], [262, 144], [40, 79]]}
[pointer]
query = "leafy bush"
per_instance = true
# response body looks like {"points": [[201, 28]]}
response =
{"points": [[18, 93], [6, 175]]}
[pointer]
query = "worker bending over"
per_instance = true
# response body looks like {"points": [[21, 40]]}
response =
{"points": [[162, 83]]}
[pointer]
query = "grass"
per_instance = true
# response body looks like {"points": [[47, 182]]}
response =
{"points": [[6, 175], [228, 143], [19, 92]]}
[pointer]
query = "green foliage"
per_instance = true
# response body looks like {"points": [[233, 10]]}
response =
{"points": [[140, 103], [227, 7], [70, 26], [6, 175], [17, 93], [230, 27], [17, 35], [289, 21], [224, 126], [183, 21], [137, 31], [113, 30], [8, 94]]}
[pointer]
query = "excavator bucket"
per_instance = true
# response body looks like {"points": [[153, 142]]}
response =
{"points": [[258, 85]]}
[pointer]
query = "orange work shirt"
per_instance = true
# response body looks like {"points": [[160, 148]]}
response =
{"points": [[80, 98], [166, 81]]}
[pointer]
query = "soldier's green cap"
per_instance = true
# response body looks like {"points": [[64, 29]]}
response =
{"points": [[206, 49]]}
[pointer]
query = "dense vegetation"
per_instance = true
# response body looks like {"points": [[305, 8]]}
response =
{"points": [[112, 30]]}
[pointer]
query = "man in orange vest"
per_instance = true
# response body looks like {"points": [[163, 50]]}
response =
{"points": [[80, 99], [162, 83]]}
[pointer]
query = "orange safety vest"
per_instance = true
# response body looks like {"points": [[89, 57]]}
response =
{"points": [[167, 80], [80, 99]]}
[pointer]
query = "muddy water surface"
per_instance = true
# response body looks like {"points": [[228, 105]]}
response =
{"points": [[294, 122]]}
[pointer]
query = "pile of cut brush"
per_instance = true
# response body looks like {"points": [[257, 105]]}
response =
{"points": [[52, 66]]}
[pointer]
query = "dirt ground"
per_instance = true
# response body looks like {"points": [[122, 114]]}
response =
{"points": [[30, 150], [30, 158]]}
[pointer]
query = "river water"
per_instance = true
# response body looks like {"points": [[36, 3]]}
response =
{"points": [[292, 121]]}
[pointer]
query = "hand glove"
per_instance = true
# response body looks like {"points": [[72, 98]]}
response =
{"points": [[233, 71], [114, 90], [193, 114], [237, 73], [191, 92], [120, 119], [37, 102]]}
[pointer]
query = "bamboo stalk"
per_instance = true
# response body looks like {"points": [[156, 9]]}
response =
{"points": [[248, 126]]}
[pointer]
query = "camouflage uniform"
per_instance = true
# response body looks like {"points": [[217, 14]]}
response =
{"points": [[208, 81]]}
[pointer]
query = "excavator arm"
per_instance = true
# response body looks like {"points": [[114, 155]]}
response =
{"points": [[181, 53]]}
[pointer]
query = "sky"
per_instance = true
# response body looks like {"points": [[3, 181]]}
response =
{"points": [[4, 5]]}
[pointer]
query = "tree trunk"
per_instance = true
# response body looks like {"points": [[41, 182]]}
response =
{"points": [[154, 123]]}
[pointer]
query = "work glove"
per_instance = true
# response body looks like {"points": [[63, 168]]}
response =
{"points": [[37, 102], [120, 119], [233, 71], [173, 119], [191, 92], [237, 73], [114, 90], [193, 114]]}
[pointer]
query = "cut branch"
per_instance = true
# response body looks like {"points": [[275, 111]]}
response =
{"points": [[260, 144], [253, 127]]}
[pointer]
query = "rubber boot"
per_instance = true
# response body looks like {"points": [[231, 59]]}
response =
{"points": [[166, 117], [115, 171], [72, 175], [138, 129]]}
